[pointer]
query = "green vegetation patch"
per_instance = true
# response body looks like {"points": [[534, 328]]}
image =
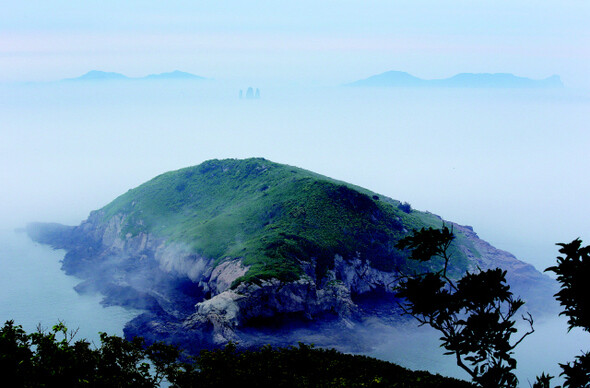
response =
{"points": [[272, 216], [56, 359]]}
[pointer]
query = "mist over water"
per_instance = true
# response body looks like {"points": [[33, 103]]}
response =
{"points": [[418, 348], [511, 163], [35, 292]]}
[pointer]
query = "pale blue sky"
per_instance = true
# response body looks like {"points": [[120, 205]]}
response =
{"points": [[325, 42]]}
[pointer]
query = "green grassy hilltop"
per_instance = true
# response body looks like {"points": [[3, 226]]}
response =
{"points": [[272, 216]]}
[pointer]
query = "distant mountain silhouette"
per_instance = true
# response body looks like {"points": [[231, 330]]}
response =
{"points": [[96, 75], [463, 80], [499, 80], [391, 78], [176, 74]]}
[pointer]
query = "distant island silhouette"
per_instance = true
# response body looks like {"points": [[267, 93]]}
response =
{"points": [[96, 75], [462, 80]]}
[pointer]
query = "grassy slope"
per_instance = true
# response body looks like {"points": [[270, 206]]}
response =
{"points": [[268, 214]]}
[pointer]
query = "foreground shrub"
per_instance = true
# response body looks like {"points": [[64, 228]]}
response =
{"points": [[54, 359]]}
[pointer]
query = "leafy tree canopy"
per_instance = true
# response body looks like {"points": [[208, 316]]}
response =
{"points": [[475, 314], [573, 272]]}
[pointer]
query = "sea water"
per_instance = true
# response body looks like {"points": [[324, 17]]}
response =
{"points": [[35, 293]]}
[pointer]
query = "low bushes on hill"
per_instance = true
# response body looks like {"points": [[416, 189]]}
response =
{"points": [[54, 359]]}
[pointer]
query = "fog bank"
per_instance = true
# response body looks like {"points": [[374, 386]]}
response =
{"points": [[508, 162]]}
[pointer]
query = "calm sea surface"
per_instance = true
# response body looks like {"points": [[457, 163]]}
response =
{"points": [[34, 291]]}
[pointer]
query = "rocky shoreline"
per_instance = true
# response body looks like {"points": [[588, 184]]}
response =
{"points": [[188, 301]]}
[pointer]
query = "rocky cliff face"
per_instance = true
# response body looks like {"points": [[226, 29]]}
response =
{"points": [[534, 288], [187, 299]]}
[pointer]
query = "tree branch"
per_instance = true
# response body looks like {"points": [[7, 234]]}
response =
{"points": [[529, 319]]}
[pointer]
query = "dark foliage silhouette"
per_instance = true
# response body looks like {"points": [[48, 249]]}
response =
{"points": [[573, 272], [474, 314], [305, 366], [53, 359], [405, 207]]}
